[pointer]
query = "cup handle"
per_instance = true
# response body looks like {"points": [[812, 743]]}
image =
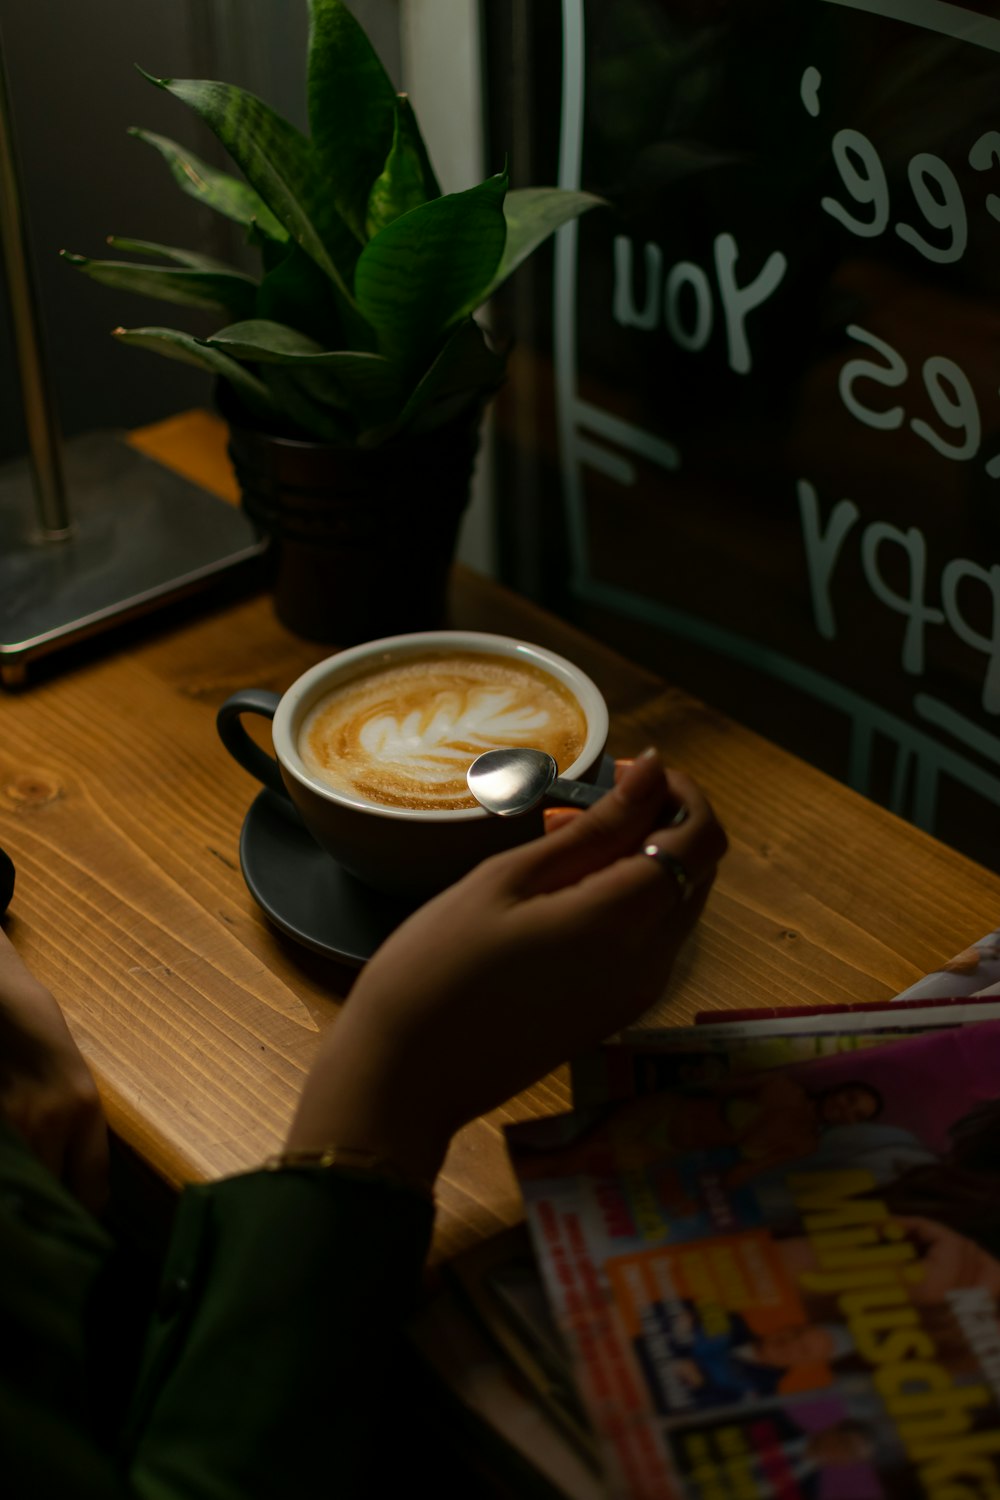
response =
{"points": [[228, 721]]}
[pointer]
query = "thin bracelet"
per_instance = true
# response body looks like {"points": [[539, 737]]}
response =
{"points": [[351, 1160]]}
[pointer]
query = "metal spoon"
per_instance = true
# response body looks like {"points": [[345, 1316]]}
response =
{"points": [[507, 782]]}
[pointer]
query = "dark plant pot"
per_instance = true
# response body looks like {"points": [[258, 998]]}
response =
{"points": [[362, 538]]}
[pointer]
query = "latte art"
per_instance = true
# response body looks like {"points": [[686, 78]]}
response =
{"points": [[404, 735]]}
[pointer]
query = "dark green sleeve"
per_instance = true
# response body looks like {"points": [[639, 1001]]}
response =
{"points": [[267, 1361], [60, 1343], [270, 1362]]}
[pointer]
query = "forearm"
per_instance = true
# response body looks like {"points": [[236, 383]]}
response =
{"points": [[371, 1098]]}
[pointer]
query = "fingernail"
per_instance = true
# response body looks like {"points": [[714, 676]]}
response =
{"points": [[640, 778], [558, 817]]}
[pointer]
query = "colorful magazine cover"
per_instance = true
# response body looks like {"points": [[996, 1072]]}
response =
{"points": [[974, 971], [785, 1283], [645, 1060]]}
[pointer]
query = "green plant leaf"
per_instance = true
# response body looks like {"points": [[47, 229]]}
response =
{"points": [[189, 258], [229, 292], [271, 251], [400, 186], [466, 365], [533, 214], [430, 268], [296, 292], [368, 376], [407, 122], [173, 344], [288, 396], [226, 194], [261, 339], [322, 388], [352, 105], [280, 164]]}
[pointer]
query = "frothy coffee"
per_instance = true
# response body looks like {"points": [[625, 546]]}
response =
{"points": [[404, 735]]}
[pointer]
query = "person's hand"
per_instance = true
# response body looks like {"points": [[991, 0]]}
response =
{"points": [[949, 1261], [47, 1092], [538, 954]]}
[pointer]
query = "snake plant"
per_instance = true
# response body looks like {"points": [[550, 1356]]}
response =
{"points": [[359, 325]]}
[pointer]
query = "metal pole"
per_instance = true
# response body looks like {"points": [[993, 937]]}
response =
{"points": [[44, 440]]}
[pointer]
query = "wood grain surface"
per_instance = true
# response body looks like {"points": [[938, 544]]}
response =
{"points": [[122, 812]]}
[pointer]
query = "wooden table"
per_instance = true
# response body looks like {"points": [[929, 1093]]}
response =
{"points": [[122, 812]]}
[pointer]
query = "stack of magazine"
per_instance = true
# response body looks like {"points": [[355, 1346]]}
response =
{"points": [[761, 1258]]}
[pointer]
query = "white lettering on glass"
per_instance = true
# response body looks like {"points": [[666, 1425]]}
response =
{"points": [[892, 373], [824, 547], [936, 190], [809, 90], [689, 301], [918, 614], [738, 301], [822, 551], [863, 175], [955, 573], [940, 200], [624, 310], [982, 155], [955, 403], [685, 275], [948, 388]]}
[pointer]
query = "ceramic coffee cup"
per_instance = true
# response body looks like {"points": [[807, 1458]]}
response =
{"points": [[372, 744]]}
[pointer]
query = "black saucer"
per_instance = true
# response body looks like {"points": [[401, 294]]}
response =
{"points": [[307, 895]]}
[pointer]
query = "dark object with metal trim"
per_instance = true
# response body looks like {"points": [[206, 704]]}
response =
{"points": [[6, 881]]}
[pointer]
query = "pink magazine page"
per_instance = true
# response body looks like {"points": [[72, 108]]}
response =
{"points": [[784, 1277]]}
